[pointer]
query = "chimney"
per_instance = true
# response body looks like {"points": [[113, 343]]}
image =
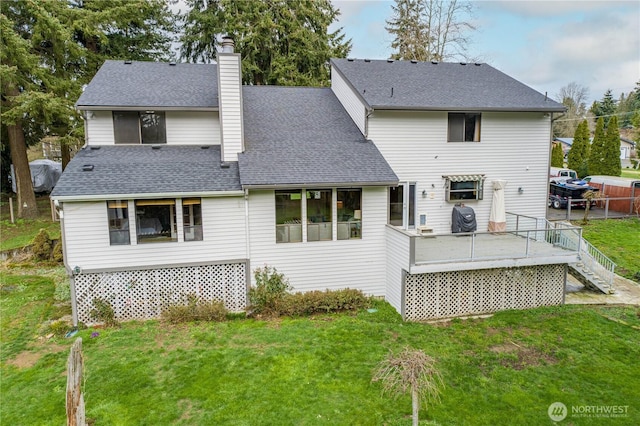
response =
{"points": [[227, 44], [230, 101]]}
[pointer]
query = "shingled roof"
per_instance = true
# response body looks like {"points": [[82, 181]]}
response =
{"points": [[296, 136], [439, 86], [146, 169], [152, 85]]}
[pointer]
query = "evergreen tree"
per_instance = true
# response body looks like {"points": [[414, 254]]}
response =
{"points": [[411, 39], [611, 154], [281, 42], [573, 96], [577, 158], [557, 156], [596, 156], [430, 30], [49, 50], [605, 108]]}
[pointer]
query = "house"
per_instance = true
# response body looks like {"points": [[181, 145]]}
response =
{"points": [[189, 181], [627, 146]]}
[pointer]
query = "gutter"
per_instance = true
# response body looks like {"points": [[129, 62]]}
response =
{"points": [[144, 108], [104, 197], [320, 185]]}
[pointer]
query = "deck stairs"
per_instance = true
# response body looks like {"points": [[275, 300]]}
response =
{"points": [[593, 269]]}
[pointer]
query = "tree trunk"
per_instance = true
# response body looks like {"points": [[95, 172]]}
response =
{"points": [[27, 207], [416, 406], [65, 154]]}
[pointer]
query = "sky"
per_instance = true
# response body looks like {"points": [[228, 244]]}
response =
{"points": [[544, 44]]}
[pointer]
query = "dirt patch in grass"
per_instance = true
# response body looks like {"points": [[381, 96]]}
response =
{"points": [[518, 356], [25, 359]]}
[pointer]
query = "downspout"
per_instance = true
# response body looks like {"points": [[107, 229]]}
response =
{"points": [[70, 272], [247, 238], [368, 112]]}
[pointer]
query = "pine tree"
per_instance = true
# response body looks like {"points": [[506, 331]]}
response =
{"points": [[281, 42], [430, 30], [596, 156], [577, 158], [411, 40], [557, 156], [605, 108], [611, 152]]}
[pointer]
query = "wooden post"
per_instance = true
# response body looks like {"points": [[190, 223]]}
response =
{"points": [[13, 219], [74, 399]]}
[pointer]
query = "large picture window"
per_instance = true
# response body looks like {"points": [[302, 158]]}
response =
{"points": [[349, 213], [118, 214], [288, 216], [192, 219], [464, 127], [156, 220], [133, 127]]}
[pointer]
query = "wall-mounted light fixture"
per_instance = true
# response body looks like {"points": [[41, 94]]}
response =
{"points": [[520, 190]]}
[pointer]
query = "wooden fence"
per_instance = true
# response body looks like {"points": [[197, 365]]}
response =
{"points": [[75, 400]]}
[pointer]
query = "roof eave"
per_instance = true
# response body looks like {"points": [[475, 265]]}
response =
{"points": [[144, 107], [143, 196], [319, 185], [488, 109]]}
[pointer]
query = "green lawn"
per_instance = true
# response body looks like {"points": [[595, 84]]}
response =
{"points": [[632, 173], [618, 239], [506, 369], [22, 232]]}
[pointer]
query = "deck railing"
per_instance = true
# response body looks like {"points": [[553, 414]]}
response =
{"points": [[524, 237]]}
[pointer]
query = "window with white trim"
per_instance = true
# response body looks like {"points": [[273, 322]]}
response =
{"points": [[192, 219], [464, 127], [118, 214], [156, 221], [134, 127], [464, 187], [314, 210]]}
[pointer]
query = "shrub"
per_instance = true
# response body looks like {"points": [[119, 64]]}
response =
{"points": [[57, 255], [58, 327], [103, 312], [269, 292], [312, 302], [41, 246], [195, 309]]}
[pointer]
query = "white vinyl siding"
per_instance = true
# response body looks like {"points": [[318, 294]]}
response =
{"points": [[230, 96], [193, 128], [349, 100], [183, 128], [100, 128], [320, 265], [87, 238], [514, 146], [397, 261]]}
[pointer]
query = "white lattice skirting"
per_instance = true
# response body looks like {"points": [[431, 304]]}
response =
{"points": [[458, 293], [142, 294]]}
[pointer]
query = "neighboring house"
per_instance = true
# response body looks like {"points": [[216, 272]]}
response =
{"points": [[189, 181], [627, 146]]}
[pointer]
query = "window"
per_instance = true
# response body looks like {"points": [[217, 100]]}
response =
{"points": [[288, 215], [118, 214], [319, 223], [192, 219], [349, 214], [464, 127], [156, 221], [464, 187], [133, 127]]}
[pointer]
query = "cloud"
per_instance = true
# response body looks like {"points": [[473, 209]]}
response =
{"points": [[528, 8]]}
